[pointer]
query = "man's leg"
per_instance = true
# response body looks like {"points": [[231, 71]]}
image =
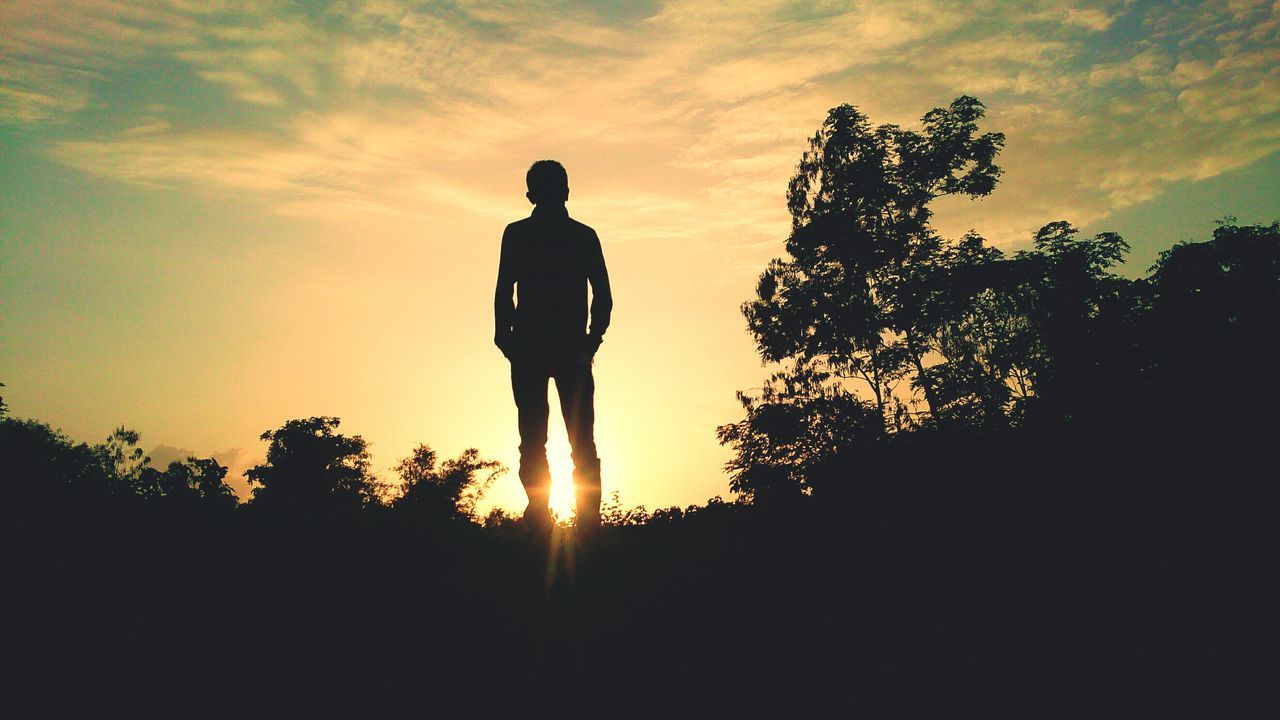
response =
{"points": [[529, 385], [576, 388]]}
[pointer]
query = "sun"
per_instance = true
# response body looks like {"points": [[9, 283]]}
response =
{"points": [[562, 505], [562, 475]]}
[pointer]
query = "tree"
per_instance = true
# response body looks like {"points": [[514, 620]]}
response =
{"points": [[856, 299], [1214, 311], [1228, 287], [963, 318], [613, 514], [309, 466], [45, 471], [860, 208], [123, 454], [799, 424], [450, 490], [1048, 325], [192, 482], [1079, 318]]}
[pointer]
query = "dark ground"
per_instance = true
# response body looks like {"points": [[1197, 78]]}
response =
{"points": [[1004, 577]]}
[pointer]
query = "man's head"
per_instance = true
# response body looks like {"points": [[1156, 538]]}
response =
{"points": [[548, 183]]}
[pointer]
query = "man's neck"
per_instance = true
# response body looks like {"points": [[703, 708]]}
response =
{"points": [[550, 210]]}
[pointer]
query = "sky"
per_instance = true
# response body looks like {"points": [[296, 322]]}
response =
{"points": [[216, 216]]}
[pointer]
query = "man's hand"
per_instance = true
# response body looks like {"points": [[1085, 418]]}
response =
{"points": [[586, 352], [503, 341]]}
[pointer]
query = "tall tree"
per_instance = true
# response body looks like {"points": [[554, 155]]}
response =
{"points": [[860, 208]]}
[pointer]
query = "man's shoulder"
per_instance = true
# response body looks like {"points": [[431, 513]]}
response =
{"points": [[581, 231], [519, 225], [532, 224], [581, 227]]}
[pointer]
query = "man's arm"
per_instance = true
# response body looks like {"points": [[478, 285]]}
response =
{"points": [[504, 308], [601, 295]]}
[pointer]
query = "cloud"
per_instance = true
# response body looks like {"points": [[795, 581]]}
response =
{"points": [[52, 54], [162, 455], [236, 460], [1088, 18], [698, 110]]}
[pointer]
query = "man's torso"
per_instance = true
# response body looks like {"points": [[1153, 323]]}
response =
{"points": [[551, 260]]}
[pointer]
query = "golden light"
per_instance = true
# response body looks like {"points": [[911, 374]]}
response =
{"points": [[562, 505]]}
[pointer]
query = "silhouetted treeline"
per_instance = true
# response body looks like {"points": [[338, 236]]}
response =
{"points": [[309, 469]]}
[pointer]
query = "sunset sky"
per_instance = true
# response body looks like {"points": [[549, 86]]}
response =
{"points": [[216, 216]]}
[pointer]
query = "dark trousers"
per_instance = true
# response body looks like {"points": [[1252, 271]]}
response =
{"points": [[576, 388]]}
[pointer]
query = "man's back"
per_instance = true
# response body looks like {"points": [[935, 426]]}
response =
{"points": [[551, 258]]}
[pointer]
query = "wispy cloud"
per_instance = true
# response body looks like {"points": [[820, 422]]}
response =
{"points": [[701, 108]]}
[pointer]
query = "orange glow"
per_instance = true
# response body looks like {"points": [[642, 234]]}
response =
{"points": [[291, 221]]}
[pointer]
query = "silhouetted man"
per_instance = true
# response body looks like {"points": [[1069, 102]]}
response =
{"points": [[548, 259]]}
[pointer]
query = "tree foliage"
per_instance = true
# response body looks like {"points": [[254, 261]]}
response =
{"points": [[125, 457], [1211, 321], [858, 298], [860, 210], [798, 423], [45, 470], [881, 326], [50, 472], [311, 467], [192, 482], [450, 489]]}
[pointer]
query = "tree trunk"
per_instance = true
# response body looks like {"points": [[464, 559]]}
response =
{"points": [[930, 394]]}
